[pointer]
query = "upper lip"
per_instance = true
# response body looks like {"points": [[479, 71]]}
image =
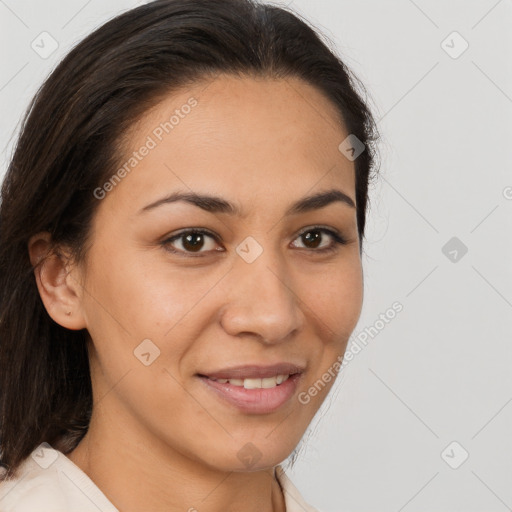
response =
{"points": [[254, 371]]}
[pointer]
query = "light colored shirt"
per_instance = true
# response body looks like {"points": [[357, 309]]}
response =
{"points": [[48, 481]]}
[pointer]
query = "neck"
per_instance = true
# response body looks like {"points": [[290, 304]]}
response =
{"points": [[140, 474]]}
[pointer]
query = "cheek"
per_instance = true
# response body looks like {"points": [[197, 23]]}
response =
{"points": [[349, 289], [336, 299], [335, 309], [136, 298], [141, 295]]}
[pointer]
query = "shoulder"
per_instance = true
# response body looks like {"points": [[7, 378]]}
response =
{"points": [[293, 499], [47, 481], [32, 489]]}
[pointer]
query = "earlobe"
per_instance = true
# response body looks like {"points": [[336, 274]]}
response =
{"points": [[59, 289]]}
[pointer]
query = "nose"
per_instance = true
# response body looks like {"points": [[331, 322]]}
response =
{"points": [[262, 301]]}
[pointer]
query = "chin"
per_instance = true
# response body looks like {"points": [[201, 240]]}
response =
{"points": [[249, 456]]}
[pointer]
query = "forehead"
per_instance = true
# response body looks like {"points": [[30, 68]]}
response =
{"points": [[243, 136]]}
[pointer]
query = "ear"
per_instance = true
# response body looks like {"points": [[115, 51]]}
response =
{"points": [[57, 281]]}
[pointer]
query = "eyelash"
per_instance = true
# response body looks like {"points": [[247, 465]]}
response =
{"points": [[338, 240]]}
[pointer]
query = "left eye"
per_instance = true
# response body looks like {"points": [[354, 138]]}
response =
{"points": [[192, 241], [314, 235]]}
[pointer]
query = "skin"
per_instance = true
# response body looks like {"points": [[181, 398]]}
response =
{"points": [[262, 144]]}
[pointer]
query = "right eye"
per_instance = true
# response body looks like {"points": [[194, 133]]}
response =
{"points": [[191, 241]]}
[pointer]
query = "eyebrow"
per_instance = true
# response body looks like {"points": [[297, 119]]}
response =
{"points": [[215, 204]]}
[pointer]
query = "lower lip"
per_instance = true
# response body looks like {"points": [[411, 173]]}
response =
{"points": [[255, 401]]}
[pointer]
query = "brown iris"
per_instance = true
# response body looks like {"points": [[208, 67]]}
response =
{"points": [[313, 236], [193, 242]]}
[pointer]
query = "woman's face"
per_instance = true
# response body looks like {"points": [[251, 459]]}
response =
{"points": [[264, 286]]}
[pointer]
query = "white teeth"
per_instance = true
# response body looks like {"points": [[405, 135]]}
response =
{"points": [[268, 382], [265, 383], [252, 383]]}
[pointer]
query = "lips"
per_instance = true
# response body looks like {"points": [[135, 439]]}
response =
{"points": [[254, 371], [254, 389], [253, 399]]}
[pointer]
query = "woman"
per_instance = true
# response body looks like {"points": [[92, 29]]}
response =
{"points": [[181, 232]]}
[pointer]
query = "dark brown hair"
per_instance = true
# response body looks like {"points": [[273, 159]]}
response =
{"points": [[70, 143]]}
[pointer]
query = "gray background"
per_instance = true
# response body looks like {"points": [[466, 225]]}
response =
{"points": [[439, 372]]}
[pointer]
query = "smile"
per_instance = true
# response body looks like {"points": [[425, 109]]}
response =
{"points": [[266, 383], [254, 395]]}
